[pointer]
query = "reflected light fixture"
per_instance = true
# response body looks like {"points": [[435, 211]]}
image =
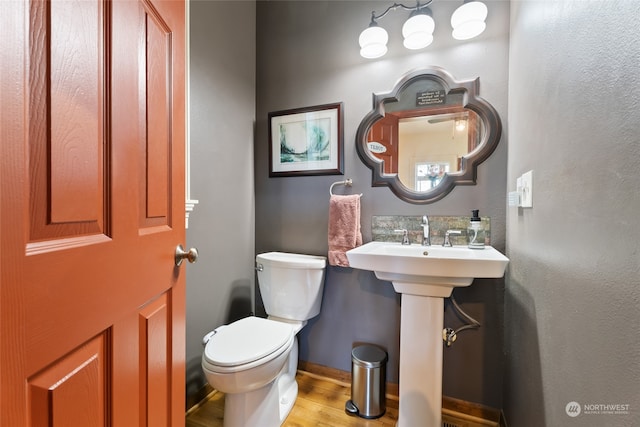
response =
{"points": [[467, 22]]}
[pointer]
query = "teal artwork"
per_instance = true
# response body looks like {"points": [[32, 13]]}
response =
{"points": [[305, 141]]}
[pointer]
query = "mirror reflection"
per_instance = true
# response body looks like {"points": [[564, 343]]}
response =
{"points": [[421, 146], [427, 135]]}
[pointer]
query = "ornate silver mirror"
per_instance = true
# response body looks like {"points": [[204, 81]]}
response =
{"points": [[427, 135]]}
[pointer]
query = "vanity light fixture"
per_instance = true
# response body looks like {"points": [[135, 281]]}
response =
{"points": [[467, 22], [373, 41], [418, 29]]}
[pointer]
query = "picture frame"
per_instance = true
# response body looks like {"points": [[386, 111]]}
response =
{"points": [[307, 141]]}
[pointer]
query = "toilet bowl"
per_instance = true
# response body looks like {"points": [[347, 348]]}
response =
{"points": [[254, 360]]}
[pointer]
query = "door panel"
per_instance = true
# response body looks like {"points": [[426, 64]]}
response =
{"points": [[55, 392], [91, 210], [75, 93], [66, 126], [156, 103], [154, 321]]}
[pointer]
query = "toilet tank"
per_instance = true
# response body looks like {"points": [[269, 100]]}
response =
{"points": [[291, 285]]}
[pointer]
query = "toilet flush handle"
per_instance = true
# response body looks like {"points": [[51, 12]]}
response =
{"points": [[259, 267]]}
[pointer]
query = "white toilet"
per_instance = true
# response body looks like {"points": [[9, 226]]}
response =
{"points": [[254, 360]]}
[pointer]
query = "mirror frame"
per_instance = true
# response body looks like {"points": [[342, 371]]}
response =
{"points": [[469, 164]]}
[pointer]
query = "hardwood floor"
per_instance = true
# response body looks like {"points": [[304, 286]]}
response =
{"points": [[320, 403]]}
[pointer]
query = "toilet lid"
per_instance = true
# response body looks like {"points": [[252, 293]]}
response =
{"points": [[246, 340]]}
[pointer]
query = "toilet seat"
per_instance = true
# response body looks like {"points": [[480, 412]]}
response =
{"points": [[247, 343], [292, 261]]}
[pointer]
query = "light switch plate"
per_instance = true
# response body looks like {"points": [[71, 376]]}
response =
{"points": [[513, 198], [526, 195]]}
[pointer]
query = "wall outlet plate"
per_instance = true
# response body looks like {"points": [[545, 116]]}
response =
{"points": [[526, 193]]}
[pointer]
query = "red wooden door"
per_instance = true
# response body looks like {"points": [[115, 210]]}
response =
{"points": [[91, 210], [385, 132]]}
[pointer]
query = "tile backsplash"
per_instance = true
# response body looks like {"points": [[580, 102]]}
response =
{"points": [[383, 228]]}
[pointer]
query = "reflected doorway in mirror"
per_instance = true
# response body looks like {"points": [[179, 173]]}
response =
{"points": [[469, 130]]}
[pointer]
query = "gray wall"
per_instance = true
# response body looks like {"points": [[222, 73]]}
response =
{"points": [[221, 115], [307, 54], [573, 287], [572, 294]]}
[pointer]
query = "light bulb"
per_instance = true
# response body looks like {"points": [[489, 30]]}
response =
{"points": [[373, 42], [418, 40], [468, 20], [418, 30]]}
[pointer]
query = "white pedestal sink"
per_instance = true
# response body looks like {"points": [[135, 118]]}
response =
{"points": [[424, 275]]}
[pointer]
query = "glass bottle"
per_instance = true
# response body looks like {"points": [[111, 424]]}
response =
{"points": [[475, 232]]}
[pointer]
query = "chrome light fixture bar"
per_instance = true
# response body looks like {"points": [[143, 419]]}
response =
{"points": [[467, 22]]}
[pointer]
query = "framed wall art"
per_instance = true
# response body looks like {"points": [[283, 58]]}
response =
{"points": [[306, 141]]}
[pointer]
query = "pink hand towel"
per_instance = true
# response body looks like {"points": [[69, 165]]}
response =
{"points": [[344, 228]]}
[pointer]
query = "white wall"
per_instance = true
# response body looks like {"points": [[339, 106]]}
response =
{"points": [[222, 117], [573, 288]]}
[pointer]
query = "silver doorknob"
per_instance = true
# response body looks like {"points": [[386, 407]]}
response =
{"points": [[191, 255]]}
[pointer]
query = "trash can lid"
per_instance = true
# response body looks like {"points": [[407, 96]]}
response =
{"points": [[369, 356]]}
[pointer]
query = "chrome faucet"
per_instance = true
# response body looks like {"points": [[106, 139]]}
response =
{"points": [[426, 240], [405, 236], [447, 240]]}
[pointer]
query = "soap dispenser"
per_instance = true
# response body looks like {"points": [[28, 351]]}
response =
{"points": [[475, 232]]}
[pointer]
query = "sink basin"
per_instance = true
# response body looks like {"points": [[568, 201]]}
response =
{"points": [[427, 270], [424, 275]]}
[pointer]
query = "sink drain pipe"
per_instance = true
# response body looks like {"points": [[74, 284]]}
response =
{"points": [[449, 335]]}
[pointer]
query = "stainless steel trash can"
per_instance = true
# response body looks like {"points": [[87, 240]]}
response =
{"points": [[368, 388]]}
